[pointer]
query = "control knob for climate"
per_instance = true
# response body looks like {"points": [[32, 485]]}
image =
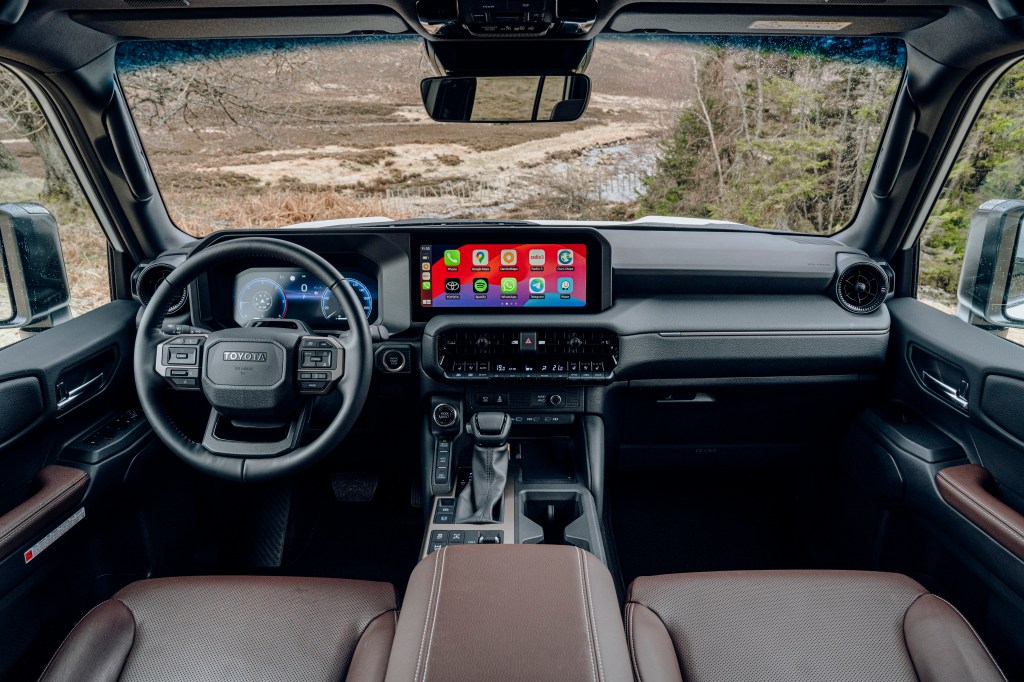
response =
{"points": [[555, 400], [445, 416], [575, 343]]}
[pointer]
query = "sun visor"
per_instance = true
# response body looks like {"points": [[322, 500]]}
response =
{"points": [[673, 18]]}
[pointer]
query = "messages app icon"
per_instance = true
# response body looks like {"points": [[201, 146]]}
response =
{"points": [[452, 257], [508, 285]]}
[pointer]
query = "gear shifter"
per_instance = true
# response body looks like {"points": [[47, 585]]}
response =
{"points": [[478, 502]]}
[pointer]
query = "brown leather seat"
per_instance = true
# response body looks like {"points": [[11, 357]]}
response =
{"points": [[798, 625], [232, 629]]}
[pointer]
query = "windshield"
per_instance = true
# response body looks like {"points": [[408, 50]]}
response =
{"points": [[777, 133]]}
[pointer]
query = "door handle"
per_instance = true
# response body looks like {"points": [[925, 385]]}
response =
{"points": [[68, 399], [957, 396]]}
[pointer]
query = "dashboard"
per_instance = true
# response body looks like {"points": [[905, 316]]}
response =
{"points": [[501, 303]]}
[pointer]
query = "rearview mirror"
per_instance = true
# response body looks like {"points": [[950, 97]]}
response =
{"points": [[506, 99], [991, 289], [35, 284]]}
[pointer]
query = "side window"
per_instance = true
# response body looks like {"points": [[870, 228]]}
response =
{"points": [[34, 168], [990, 168]]}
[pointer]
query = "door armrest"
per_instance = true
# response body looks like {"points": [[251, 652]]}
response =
{"points": [[60, 489], [968, 488]]}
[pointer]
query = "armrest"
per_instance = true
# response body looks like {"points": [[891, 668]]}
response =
{"points": [[60, 489], [968, 489], [491, 612]]}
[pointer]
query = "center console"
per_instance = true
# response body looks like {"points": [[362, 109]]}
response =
{"points": [[510, 454]]}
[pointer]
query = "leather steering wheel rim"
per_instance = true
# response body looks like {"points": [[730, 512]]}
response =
{"points": [[354, 386]]}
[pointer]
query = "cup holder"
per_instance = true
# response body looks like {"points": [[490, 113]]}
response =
{"points": [[559, 517]]}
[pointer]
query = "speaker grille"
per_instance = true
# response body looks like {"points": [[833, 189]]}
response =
{"points": [[155, 4]]}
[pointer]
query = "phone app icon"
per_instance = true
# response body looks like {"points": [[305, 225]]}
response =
{"points": [[452, 257], [452, 285], [565, 257], [565, 285], [509, 257], [509, 285], [537, 285], [480, 257], [537, 257], [480, 285], [426, 286]]}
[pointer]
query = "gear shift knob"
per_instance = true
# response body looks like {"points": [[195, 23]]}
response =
{"points": [[490, 428], [479, 501]]}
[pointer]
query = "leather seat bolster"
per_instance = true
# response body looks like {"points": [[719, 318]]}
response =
{"points": [[528, 612], [944, 647], [370, 660], [97, 648], [651, 652]]}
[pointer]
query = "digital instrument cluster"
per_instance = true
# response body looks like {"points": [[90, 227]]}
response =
{"points": [[297, 295]]}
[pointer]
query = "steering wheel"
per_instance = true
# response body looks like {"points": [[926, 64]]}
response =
{"points": [[261, 379]]}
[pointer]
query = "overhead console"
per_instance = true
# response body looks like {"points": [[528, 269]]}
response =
{"points": [[507, 18]]}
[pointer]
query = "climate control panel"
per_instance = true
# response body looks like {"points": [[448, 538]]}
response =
{"points": [[553, 354]]}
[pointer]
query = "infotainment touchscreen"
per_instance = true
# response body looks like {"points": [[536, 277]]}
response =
{"points": [[502, 276]]}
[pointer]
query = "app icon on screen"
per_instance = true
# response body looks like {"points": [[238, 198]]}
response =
{"points": [[426, 267], [565, 257], [452, 257], [537, 285], [509, 285], [509, 257], [565, 285], [480, 285], [480, 257], [537, 257], [426, 286], [452, 285]]}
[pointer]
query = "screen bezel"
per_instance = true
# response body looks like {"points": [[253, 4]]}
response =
{"points": [[598, 266]]}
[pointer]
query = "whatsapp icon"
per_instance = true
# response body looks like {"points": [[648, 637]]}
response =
{"points": [[508, 285]]}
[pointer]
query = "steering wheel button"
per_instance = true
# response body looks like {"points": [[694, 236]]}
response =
{"points": [[312, 385], [181, 356]]}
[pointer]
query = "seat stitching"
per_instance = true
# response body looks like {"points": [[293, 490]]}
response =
{"points": [[967, 497], [586, 616], [426, 620], [437, 608], [975, 633], [89, 613], [630, 630], [593, 615]]}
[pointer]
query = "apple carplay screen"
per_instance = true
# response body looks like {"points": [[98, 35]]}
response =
{"points": [[523, 277]]}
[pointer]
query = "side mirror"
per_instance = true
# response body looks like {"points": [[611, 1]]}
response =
{"points": [[32, 265], [991, 289], [505, 99]]}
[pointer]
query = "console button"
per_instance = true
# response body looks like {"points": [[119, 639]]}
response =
{"points": [[456, 537], [445, 415], [527, 342], [439, 536]]}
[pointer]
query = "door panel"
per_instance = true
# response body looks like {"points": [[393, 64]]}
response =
{"points": [[955, 405], [56, 389]]}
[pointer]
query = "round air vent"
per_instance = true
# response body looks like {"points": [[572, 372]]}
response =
{"points": [[150, 278], [862, 287]]}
